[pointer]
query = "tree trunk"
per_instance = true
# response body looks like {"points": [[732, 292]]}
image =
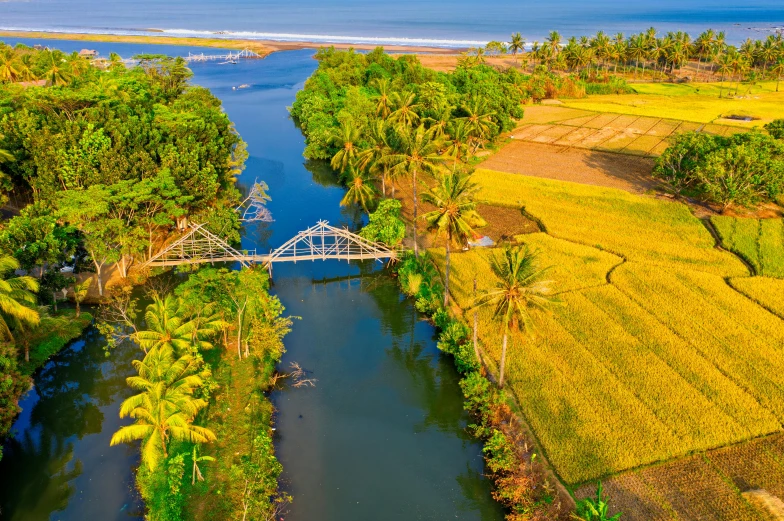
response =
{"points": [[27, 352], [414, 185], [503, 362], [78, 311], [239, 332], [446, 278], [193, 475], [98, 274], [384, 184], [54, 300], [476, 328]]}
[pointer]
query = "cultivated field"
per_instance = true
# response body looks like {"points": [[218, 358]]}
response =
{"points": [[694, 102], [616, 123], [759, 241], [652, 354]]}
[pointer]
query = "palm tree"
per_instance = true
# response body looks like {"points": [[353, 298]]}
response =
{"points": [[360, 189], [374, 159], [8, 66], [347, 138], [778, 69], [519, 289], [479, 122], [16, 298], [454, 214], [170, 326], [405, 109], [80, 293], [383, 100], [516, 44], [416, 152], [56, 74], [165, 407], [459, 144]]}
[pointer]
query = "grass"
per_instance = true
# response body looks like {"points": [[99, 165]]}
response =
{"points": [[759, 241], [652, 355], [219, 43], [51, 336], [697, 102], [612, 220]]}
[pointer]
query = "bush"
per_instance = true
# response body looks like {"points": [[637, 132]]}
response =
{"points": [[385, 224], [743, 169], [776, 128], [595, 509]]}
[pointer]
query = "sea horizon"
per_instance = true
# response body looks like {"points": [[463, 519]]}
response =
{"points": [[454, 24]]}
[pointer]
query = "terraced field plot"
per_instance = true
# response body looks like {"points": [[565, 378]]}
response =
{"points": [[626, 133], [759, 241], [652, 354]]}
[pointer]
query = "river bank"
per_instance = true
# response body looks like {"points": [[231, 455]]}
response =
{"points": [[262, 47], [385, 420]]}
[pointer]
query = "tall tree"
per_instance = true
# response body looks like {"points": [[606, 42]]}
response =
{"points": [[416, 151], [165, 407], [454, 216], [520, 287], [516, 44], [360, 189], [347, 139]]}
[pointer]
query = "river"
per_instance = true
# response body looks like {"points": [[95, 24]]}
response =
{"points": [[381, 436]]}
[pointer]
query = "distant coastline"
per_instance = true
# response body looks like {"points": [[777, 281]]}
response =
{"points": [[226, 41]]}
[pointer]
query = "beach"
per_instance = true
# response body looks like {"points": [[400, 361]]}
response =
{"points": [[262, 47]]}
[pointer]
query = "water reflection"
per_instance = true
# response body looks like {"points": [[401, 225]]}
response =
{"points": [[67, 419]]}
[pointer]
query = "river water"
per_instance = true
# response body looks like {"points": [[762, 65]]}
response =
{"points": [[381, 436]]}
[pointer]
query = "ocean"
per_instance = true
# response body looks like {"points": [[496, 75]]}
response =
{"points": [[443, 23]]}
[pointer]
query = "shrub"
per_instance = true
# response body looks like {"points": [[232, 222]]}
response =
{"points": [[594, 509], [776, 128], [385, 224]]}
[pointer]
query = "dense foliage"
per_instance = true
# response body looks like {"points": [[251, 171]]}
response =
{"points": [[385, 224], [355, 91], [111, 158], [743, 169], [183, 379]]}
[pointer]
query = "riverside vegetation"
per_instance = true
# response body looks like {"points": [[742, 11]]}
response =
{"points": [[645, 270], [100, 163]]}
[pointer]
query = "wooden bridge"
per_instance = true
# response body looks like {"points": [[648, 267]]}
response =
{"points": [[319, 242]]}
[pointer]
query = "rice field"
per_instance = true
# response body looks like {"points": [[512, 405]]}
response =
{"points": [[698, 103], [651, 356], [759, 241], [612, 220]]}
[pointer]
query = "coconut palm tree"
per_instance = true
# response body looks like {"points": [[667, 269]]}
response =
{"points": [[165, 407], [17, 298], [347, 138], [416, 151], [516, 44], [8, 65], [459, 144], [479, 121], [170, 326], [405, 109], [57, 72], [519, 289], [80, 293], [778, 69], [360, 189], [383, 100], [374, 158], [454, 216]]}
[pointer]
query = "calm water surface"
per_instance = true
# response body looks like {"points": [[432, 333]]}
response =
{"points": [[381, 436], [438, 22]]}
